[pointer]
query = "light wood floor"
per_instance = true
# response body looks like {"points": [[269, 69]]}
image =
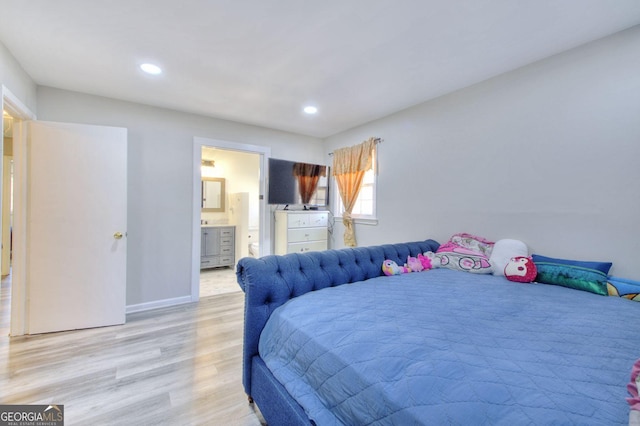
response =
{"points": [[217, 281], [172, 366]]}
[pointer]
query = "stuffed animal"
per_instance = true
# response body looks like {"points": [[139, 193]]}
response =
{"points": [[414, 264], [389, 267], [425, 261], [521, 269], [434, 258], [634, 387]]}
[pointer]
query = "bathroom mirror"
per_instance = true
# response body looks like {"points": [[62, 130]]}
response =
{"points": [[213, 194]]}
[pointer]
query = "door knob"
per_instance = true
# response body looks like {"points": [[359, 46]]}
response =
{"points": [[117, 235]]}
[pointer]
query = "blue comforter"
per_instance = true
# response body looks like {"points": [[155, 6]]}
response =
{"points": [[449, 347]]}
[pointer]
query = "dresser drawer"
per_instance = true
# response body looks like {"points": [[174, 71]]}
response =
{"points": [[301, 220], [226, 260], [296, 235], [297, 220], [226, 232], [215, 261], [226, 250], [307, 246], [318, 219], [209, 261], [226, 241]]}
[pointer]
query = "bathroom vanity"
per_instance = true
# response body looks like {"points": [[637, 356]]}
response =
{"points": [[217, 246]]}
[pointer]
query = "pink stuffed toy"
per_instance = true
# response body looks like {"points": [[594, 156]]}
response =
{"points": [[425, 261], [414, 264], [634, 387], [521, 269], [389, 267], [434, 258]]}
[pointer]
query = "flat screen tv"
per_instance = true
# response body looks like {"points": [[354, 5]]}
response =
{"points": [[298, 184]]}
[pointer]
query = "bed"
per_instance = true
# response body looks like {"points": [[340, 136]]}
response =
{"points": [[434, 347]]}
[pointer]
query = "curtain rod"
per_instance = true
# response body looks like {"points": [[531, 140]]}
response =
{"points": [[375, 140]]}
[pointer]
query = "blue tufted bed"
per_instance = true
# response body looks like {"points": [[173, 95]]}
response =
{"points": [[432, 347]]}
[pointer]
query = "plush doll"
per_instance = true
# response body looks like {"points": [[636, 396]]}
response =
{"points": [[434, 258], [634, 387], [521, 269], [389, 267], [414, 264], [425, 261]]}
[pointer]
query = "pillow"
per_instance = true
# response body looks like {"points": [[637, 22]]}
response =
{"points": [[520, 269], [622, 287], [587, 276], [466, 252], [503, 251]]}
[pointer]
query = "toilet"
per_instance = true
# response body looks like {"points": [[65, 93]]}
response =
{"points": [[254, 249], [254, 243]]}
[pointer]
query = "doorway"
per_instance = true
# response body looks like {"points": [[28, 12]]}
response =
{"points": [[229, 216], [7, 192], [239, 170], [7, 213], [16, 307]]}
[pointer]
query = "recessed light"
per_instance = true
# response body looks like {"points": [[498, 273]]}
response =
{"points": [[310, 109], [151, 69]]}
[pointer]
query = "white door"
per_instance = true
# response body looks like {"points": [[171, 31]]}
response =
{"points": [[76, 226]]}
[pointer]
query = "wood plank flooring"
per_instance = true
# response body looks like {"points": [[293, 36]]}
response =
{"points": [[217, 281], [174, 366]]}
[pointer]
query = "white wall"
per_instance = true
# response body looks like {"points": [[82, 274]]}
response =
{"points": [[547, 154], [160, 179], [13, 77]]}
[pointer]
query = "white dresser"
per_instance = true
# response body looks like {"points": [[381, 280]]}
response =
{"points": [[299, 231]]}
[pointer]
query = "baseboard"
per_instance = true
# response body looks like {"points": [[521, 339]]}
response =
{"points": [[157, 304]]}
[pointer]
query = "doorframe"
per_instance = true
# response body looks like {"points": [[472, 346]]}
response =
{"points": [[17, 109], [264, 233]]}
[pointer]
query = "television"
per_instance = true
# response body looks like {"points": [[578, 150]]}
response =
{"points": [[298, 184]]}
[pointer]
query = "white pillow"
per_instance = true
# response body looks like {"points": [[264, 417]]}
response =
{"points": [[503, 250]]}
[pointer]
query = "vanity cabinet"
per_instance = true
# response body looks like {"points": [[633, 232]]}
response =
{"points": [[217, 246], [299, 231]]}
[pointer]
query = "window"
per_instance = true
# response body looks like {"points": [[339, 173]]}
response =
{"points": [[365, 207]]}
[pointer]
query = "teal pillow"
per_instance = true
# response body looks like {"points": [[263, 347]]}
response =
{"points": [[587, 276]]}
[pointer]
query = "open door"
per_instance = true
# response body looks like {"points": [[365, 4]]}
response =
{"points": [[76, 226]]}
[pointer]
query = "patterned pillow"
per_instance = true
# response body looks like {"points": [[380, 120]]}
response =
{"points": [[622, 287], [587, 276], [466, 252]]}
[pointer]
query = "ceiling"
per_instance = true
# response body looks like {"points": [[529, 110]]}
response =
{"points": [[261, 61]]}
